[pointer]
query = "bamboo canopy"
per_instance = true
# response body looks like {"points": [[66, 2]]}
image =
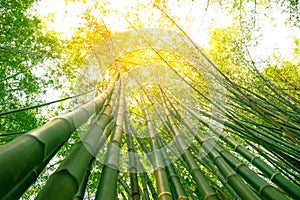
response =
{"points": [[155, 132]]}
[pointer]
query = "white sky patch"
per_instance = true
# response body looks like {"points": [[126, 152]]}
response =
{"points": [[61, 17], [277, 37], [190, 15]]}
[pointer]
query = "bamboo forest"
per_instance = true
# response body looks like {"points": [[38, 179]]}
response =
{"points": [[150, 99]]}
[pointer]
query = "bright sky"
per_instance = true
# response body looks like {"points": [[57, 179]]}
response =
{"points": [[276, 36]]}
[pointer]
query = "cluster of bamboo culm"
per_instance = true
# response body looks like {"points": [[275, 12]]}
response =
{"points": [[254, 156]]}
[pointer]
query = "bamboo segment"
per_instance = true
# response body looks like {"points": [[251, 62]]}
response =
{"points": [[107, 188], [232, 178], [262, 187], [24, 184], [176, 186], [264, 116], [141, 167], [82, 187], [132, 162], [125, 186], [163, 189], [289, 187], [225, 169], [206, 160], [146, 194], [76, 164], [30, 150], [203, 186]]}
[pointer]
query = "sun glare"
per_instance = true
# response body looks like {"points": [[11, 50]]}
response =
{"points": [[193, 17], [60, 16]]}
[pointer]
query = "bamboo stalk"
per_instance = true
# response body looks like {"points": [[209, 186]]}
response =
{"points": [[281, 181], [262, 187], [135, 195], [30, 150], [141, 168], [163, 189], [109, 176], [204, 188], [73, 169]]}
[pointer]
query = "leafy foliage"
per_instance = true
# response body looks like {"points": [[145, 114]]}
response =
{"points": [[24, 44]]}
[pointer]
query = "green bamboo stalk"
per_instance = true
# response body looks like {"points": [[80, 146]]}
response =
{"points": [[122, 194], [291, 188], [258, 183], [278, 165], [92, 141], [178, 190], [223, 166], [203, 186], [146, 194], [267, 114], [30, 150], [208, 163], [176, 186], [217, 187], [142, 195], [281, 181], [187, 185], [163, 189], [267, 101], [141, 167], [81, 190], [261, 186], [135, 195], [18, 190], [269, 132], [107, 188], [285, 98], [273, 175], [273, 161], [125, 186], [270, 144], [76, 164], [232, 178]]}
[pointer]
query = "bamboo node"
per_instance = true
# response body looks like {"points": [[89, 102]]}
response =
{"points": [[273, 175], [86, 110], [209, 195], [262, 188], [238, 166], [229, 175], [64, 118], [159, 167], [236, 146], [252, 159], [172, 175], [164, 193], [182, 197], [218, 156], [194, 169]]}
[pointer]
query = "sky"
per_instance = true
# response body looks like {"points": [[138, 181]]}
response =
{"points": [[196, 18]]}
